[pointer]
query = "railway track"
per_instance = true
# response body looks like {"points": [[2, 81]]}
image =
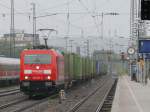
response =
{"points": [[12, 103], [99, 100], [23, 104], [8, 89], [9, 92], [20, 105], [95, 100], [30, 104], [106, 104]]}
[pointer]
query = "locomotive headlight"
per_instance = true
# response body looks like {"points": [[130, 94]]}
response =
{"points": [[47, 71], [27, 71], [48, 77], [26, 77]]}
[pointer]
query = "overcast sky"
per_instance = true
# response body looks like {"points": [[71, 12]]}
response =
{"points": [[85, 19]]}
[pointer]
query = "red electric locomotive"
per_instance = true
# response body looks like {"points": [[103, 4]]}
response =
{"points": [[41, 71]]}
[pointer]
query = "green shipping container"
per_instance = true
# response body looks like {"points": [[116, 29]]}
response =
{"points": [[83, 68], [68, 67], [77, 67]]}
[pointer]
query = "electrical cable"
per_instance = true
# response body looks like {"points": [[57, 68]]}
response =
{"points": [[97, 26], [64, 13], [17, 12], [26, 2], [58, 5], [98, 30], [94, 11], [82, 4], [37, 2], [72, 25], [4, 6], [68, 18]]}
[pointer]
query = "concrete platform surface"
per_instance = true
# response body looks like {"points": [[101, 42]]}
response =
{"points": [[131, 96]]}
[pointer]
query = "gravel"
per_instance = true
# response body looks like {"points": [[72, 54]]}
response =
{"points": [[9, 98], [72, 97]]}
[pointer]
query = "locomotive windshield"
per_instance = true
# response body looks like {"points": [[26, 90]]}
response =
{"points": [[37, 59]]}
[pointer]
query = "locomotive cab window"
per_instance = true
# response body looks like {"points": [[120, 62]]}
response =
{"points": [[37, 59]]}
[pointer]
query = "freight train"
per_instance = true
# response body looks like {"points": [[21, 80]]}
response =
{"points": [[9, 71], [41, 71]]}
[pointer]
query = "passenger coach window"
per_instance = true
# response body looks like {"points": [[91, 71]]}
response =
{"points": [[37, 59]]}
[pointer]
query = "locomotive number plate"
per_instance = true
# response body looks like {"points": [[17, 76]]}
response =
{"points": [[37, 71], [36, 77]]}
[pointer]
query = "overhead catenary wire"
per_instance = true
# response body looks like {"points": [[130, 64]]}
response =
{"points": [[82, 4], [92, 15], [8, 7], [68, 18], [63, 13], [71, 24], [97, 26], [55, 6], [58, 5], [26, 13], [94, 5], [63, 22], [70, 13], [5, 6], [37, 2], [26, 2]]}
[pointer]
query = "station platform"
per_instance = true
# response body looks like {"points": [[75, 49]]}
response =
{"points": [[131, 96]]}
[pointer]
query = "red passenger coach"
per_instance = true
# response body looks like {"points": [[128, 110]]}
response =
{"points": [[41, 71]]}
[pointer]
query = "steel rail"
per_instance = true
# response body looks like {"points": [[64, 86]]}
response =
{"points": [[10, 92], [100, 106], [102, 102], [77, 105], [30, 106], [34, 103], [12, 103]]}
